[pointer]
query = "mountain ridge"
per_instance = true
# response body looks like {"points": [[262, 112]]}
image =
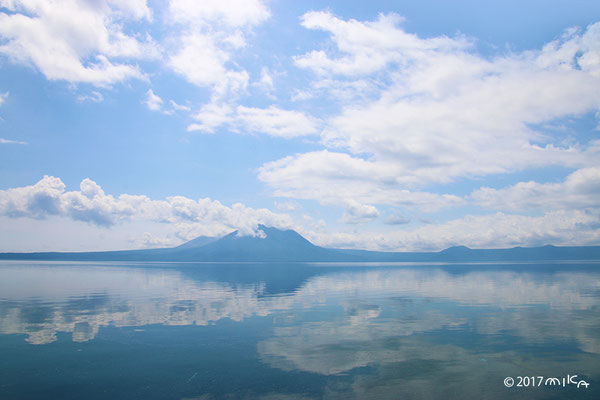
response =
{"points": [[289, 246]]}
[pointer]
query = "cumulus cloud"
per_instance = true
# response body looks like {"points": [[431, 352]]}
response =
{"points": [[436, 111], [75, 40], [580, 189], [90, 204], [205, 217], [356, 213]]}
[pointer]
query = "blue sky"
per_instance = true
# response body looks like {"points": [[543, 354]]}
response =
{"points": [[411, 125]]}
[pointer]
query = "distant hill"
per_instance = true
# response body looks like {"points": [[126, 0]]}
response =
{"points": [[289, 246], [198, 242]]}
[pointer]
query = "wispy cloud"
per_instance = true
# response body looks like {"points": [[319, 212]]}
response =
{"points": [[179, 107], [272, 121], [7, 141], [396, 219], [93, 97], [276, 122], [152, 101]]}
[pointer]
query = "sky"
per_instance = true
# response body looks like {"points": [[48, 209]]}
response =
{"points": [[382, 125]]}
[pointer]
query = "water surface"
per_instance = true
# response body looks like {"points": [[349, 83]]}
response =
{"points": [[297, 331]]}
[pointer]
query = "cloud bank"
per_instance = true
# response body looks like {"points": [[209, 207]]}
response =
{"points": [[90, 204]]}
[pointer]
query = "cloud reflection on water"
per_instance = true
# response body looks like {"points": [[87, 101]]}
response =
{"points": [[40, 301]]}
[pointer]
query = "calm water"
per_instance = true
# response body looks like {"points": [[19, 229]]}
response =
{"points": [[294, 331]]}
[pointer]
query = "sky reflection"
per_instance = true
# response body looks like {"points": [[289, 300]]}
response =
{"points": [[81, 299], [384, 333]]}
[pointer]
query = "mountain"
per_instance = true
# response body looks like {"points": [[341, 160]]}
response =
{"points": [[198, 242], [276, 245]]}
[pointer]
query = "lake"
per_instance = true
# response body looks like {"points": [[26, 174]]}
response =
{"points": [[299, 331]]}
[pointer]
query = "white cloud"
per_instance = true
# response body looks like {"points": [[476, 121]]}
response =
{"points": [[90, 204], [266, 80], [357, 213], [288, 206], [186, 218], [75, 41], [455, 115], [200, 61], [148, 241], [8, 141], [93, 97], [212, 30], [204, 52], [431, 110], [136, 9], [337, 178], [580, 189], [498, 230], [367, 47], [274, 121], [152, 101], [270, 121], [231, 13], [302, 95], [396, 219], [179, 107], [35, 201], [210, 117], [3, 97], [265, 83], [347, 91]]}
